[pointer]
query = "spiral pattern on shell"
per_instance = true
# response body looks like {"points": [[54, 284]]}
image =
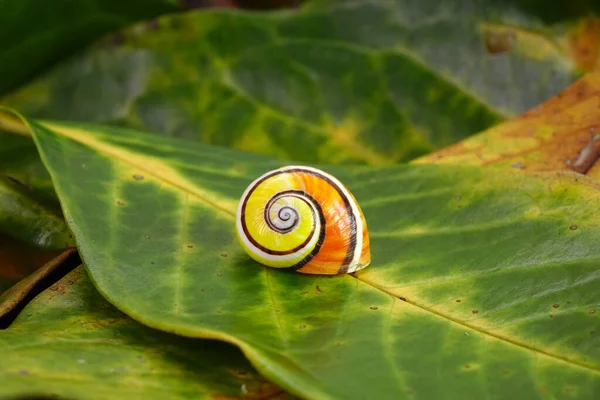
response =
{"points": [[303, 218]]}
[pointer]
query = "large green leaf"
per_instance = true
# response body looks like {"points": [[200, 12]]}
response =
{"points": [[70, 342], [35, 34], [337, 82], [483, 282]]}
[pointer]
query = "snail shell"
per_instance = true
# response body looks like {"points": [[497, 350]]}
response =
{"points": [[305, 219]]}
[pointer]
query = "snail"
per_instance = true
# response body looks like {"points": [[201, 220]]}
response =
{"points": [[305, 219]]}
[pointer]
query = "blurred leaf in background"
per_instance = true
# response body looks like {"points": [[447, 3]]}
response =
{"points": [[20, 160], [32, 216], [332, 81], [562, 133], [34, 240], [37, 34]]}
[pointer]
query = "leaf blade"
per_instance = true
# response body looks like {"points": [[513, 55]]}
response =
{"points": [[70, 342], [202, 284]]}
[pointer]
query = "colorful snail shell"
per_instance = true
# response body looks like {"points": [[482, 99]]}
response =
{"points": [[305, 219]]}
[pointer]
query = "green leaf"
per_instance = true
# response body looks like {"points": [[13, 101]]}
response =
{"points": [[483, 282], [35, 35], [571, 10], [335, 82], [32, 216], [70, 342]]}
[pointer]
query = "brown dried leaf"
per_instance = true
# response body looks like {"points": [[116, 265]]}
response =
{"points": [[561, 134]]}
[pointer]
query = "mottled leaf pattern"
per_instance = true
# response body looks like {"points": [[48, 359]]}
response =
{"points": [[70, 342], [336, 82], [482, 283], [562, 134]]}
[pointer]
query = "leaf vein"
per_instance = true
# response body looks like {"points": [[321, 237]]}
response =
{"points": [[507, 340]]}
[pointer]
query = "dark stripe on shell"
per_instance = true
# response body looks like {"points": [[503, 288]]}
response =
{"points": [[294, 193], [299, 195], [286, 193], [318, 245]]}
